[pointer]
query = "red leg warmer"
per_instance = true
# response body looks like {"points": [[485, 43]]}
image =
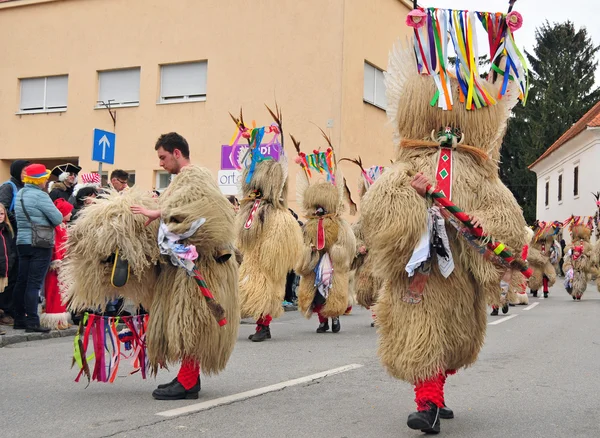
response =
{"points": [[188, 373], [545, 284], [431, 390], [317, 310], [265, 320]]}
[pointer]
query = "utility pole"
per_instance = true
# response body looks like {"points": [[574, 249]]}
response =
{"points": [[113, 116]]}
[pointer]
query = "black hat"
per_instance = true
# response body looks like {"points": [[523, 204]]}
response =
{"points": [[65, 168]]}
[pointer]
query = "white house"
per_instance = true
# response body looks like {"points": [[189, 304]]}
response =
{"points": [[569, 171]]}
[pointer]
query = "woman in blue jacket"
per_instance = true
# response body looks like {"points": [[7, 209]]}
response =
{"points": [[32, 201]]}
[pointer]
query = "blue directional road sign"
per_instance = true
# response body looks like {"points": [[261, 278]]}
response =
{"points": [[103, 149]]}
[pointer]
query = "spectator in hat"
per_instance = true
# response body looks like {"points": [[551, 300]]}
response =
{"points": [[8, 196], [67, 178], [33, 206]]}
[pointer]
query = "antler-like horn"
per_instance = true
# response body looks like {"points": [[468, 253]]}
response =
{"points": [[357, 161], [296, 144], [278, 119], [433, 138], [326, 137]]}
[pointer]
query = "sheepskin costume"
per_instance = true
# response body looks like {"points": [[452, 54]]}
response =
{"points": [[182, 327], [103, 227], [268, 236], [365, 284], [422, 343], [578, 260], [544, 272], [329, 243]]}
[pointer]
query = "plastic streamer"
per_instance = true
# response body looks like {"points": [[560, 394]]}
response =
{"points": [[253, 155], [110, 345], [321, 162], [434, 28]]}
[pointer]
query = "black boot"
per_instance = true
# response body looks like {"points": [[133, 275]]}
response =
{"points": [[323, 327], [534, 293], [164, 385], [263, 332], [176, 391], [335, 324], [494, 312], [545, 294], [505, 308], [426, 421], [446, 413]]}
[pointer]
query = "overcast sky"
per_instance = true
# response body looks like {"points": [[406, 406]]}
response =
{"points": [[583, 13]]}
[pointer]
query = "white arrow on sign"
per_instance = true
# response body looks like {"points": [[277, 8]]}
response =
{"points": [[104, 143]]}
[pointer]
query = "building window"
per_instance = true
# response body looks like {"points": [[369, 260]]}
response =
{"points": [[183, 82], [119, 87], [576, 181], [163, 179], [547, 196], [374, 87], [560, 187], [131, 178], [44, 94]]}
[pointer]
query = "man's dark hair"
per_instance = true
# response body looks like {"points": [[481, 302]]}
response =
{"points": [[171, 141], [119, 174], [233, 200]]}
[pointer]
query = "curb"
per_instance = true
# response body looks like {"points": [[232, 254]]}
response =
{"points": [[18, 336]]}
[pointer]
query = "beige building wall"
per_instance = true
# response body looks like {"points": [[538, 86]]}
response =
{"points": [[308, 55]]}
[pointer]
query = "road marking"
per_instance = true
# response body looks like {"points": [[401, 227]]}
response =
{"points": [[501, 320], [256, 392], [531, 306]]}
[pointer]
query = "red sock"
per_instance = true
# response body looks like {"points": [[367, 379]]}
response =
{"points": [[432, 391], [188, 373], [545, 283], [264, 321]]}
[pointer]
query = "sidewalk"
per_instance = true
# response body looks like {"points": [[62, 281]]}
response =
{"points": [[15, 336]]}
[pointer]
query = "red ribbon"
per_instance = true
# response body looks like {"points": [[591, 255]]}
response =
{"points": [[250, 219], [320, 235]]}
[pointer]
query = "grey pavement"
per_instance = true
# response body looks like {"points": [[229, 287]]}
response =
{"points": [[537, 376]]}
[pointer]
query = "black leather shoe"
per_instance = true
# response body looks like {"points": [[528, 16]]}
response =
{"points": [[176, 391], [37, 329], [534, 293], [494, 312], [323, 327], [446, 413], [426, 421], [545, 294], [335, 324], [263, 333], [373, 324], [505, 308], [164, 385]]}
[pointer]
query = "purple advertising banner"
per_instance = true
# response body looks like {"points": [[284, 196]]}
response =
{"points": [[267, 149]]}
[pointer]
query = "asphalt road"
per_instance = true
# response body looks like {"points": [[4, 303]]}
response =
{"points": [[537, 376]]}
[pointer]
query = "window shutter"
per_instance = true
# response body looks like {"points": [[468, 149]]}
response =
{"points": [[56, 92], [369, 83], [183, 80], [120, 86], [32, 93]]}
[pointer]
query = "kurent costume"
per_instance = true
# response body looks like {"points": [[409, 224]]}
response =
{"points": [[268, 236], [578, 260], [329, 243], [539, 258], [191, 293], [365, 284], [431, 311]]}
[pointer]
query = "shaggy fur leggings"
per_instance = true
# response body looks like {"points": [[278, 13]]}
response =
{"points": [[432, 391], [188, 373]]}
